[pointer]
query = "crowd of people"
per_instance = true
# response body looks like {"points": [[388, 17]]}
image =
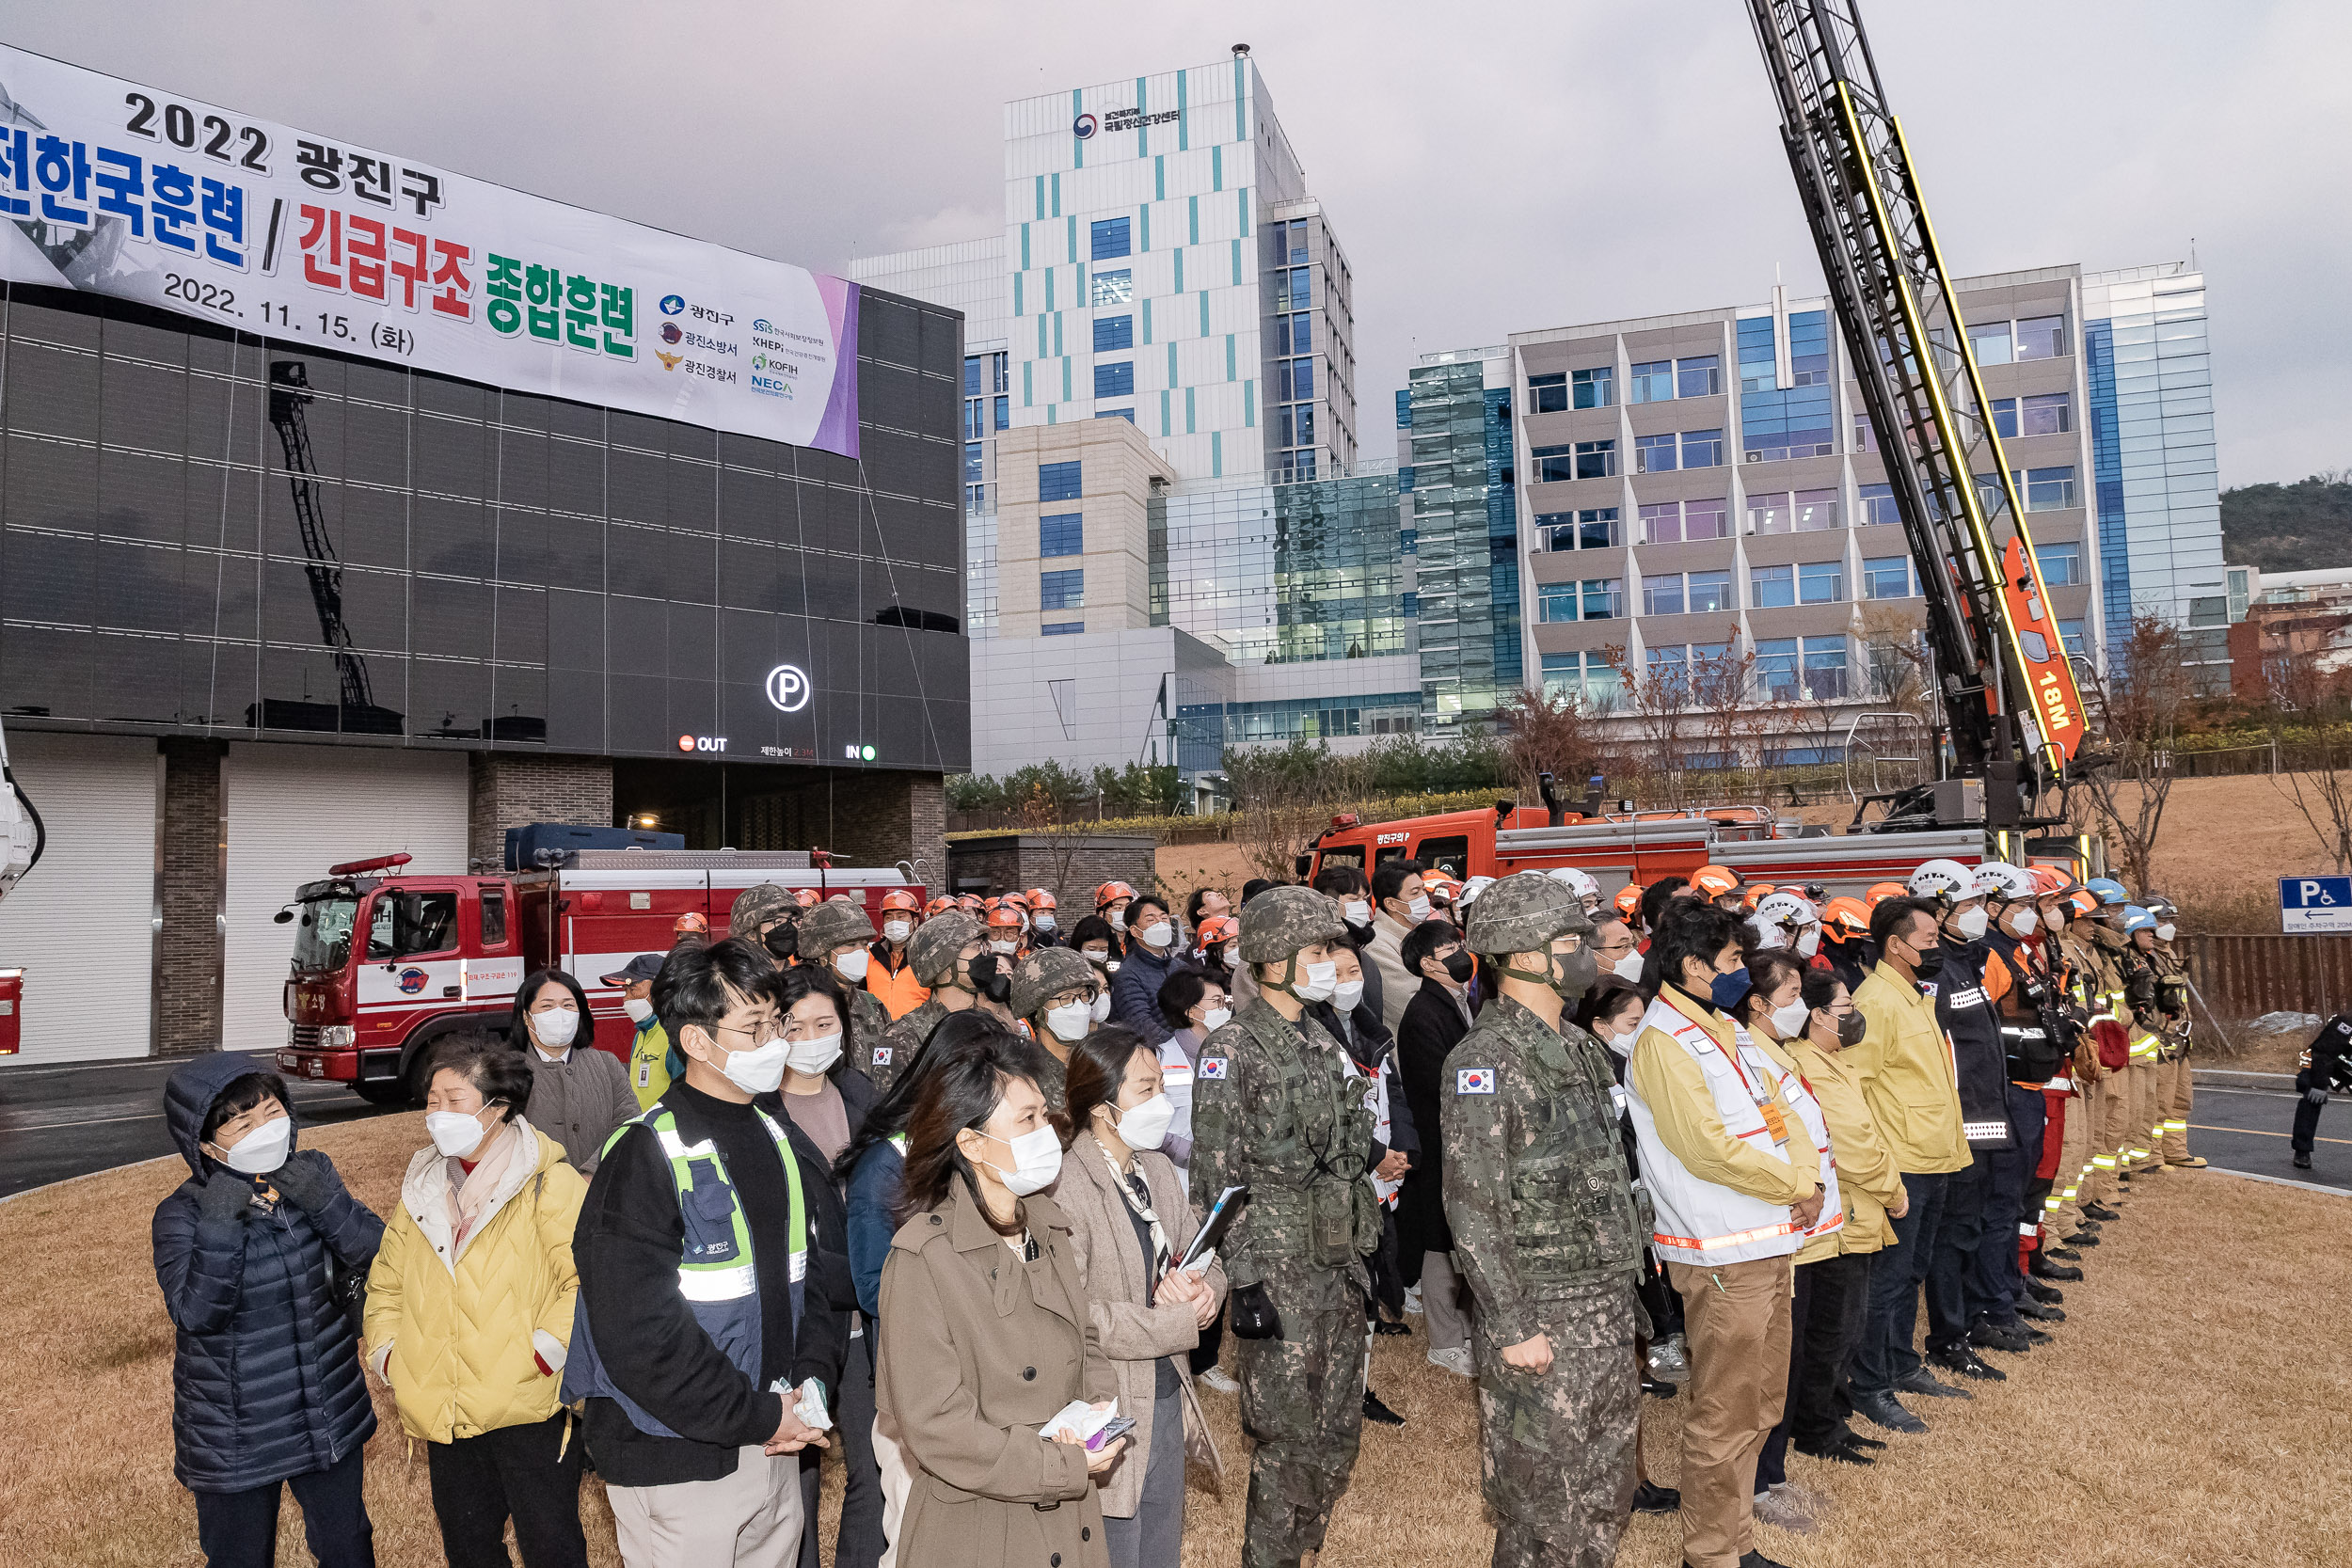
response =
{"points": [[935, 1194]]}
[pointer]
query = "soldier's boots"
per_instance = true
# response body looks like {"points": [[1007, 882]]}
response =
{"points": [[1375, 1410], [2048, 1295]]}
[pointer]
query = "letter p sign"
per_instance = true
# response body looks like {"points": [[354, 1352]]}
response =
{"points": [[788, 688]]}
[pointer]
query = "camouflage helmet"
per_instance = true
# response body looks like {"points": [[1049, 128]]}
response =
{"points": [[1281, 920], [755, 907], [1048, 971], [830, 924], [932, 952], [1523, 913]]}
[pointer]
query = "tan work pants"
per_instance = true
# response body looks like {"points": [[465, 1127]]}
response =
{"points": [[2147, 1134], [2063, 1213], [750, 1519], [2176, 1093], [1736, 1316]]}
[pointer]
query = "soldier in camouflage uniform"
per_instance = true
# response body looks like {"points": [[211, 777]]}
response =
{"points": [[1274, 1107], [757, 908], [1047, 979], [835, 937], [1546, 1231], [939, 953]]}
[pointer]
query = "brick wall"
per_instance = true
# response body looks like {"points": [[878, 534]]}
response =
{"points": [[190, 961], [879, 819], [508, 790], [1070, 872]]}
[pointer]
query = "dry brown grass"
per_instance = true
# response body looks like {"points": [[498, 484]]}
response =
{"points": [[2196, 1410]]}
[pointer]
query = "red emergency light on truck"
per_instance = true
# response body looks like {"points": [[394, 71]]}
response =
{"points": [[385, 963]]}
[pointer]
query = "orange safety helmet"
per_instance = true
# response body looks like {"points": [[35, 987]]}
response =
{"points": [[1629, 901], [1215, 929], [1876, 891], [1753, 895], [2049, 880], [899, 898], [941, 905], [970, 903], [1004, 916], [1039, 899], [2083, 900], [1018, 899], [1845, 917], [690, 924], [1109, 891], [806, 897], [1713, 881], [1441, 888]]}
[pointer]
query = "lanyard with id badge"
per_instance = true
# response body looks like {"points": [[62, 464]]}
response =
{"points": [[1767, 1106]]}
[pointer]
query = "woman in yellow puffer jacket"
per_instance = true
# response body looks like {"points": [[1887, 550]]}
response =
{"points": [[469, 1313]]}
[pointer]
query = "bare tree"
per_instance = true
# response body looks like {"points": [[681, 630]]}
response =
{"points": [[2320, 787], [1657, 699], [1548, 733], [1722, 693], [2136, 705]]}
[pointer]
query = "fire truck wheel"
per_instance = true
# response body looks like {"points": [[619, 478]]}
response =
{"points": [[381, 1091]]}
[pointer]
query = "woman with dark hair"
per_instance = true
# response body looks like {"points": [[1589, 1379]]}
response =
{"points": [[1130, 1222], [1193, 1004], [580, 1096], [1098, 944], [254, 1252], [986, 1337], [825, 1097], [470, 1311]]}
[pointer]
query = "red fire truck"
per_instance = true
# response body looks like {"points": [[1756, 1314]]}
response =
{"points": [[385, 963]]}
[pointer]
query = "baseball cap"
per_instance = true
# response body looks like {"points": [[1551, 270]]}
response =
{"points": [[642, 967]]}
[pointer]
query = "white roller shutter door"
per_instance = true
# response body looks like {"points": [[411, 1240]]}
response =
{"points": [[80, 924], [293, 810]]}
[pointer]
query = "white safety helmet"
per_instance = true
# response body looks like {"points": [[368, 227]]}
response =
{"points": [[2002, 880], [1948, 880], [1470, 890], [1787, 911], [1587, 890]]}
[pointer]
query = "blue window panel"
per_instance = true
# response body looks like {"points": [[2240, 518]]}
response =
{"points": [[1059, 481], [1650, 382], [1771, 587], [1070, 229], [1821, 582], [1878, 506], [1109, 239], [1596, 459], [1887, 576], [1062, 533], [2075, 636], [1409, 603], [1113, 333], [1404, 477], [2060, 564], [1403, 409], [971, 461], [1591, 387], [1654, 454], [1825, 667], [1115, 381], [1548, 394], [1004, 413], [1808, 348], [1062, 589], [1109, 289], [1126, 413], [2049, 489], [1061, 628], [1604, 598], [2004, 418], [1702, 448], [972, 375], [1408, 541], [1776, 667]]}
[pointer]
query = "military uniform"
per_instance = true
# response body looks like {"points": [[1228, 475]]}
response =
{"points": [[897, 1045], [931, 953], [1273, 1106], [1040, 976], [837, 922], [756, 906]]}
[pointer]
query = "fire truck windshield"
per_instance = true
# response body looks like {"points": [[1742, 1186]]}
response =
{"points": [[323, 933]]}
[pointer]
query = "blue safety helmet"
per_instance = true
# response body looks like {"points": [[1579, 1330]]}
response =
{"points": [[2108, 890], [2138, 919]]}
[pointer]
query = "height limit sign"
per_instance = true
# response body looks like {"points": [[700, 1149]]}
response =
{"points": [[2309, 905]]}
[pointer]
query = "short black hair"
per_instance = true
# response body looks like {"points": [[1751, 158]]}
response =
{"points": [[1093, 929], [1256, 885], [1157, 900], [240, 1095], [1094, 1074], [1608, 994], [1337, 880], [1890, 913], [1820, 987], [1692, 929], [1391, 876], [537, 981], [496, 1069], [1192, 903], [694, 981], [1423, 941], [1765, 973], [1657, 896], [805, 980], [1180, 992]]}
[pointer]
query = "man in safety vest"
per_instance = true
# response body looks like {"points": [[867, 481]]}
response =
{"points": [[704, 1340]]}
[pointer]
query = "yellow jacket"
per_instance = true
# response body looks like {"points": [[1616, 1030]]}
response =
{"points": [[649, 1065], [460, 1335], [1867, 1178], [1907, 1075], [1673, 1084]]}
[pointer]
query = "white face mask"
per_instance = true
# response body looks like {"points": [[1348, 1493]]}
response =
{"points": [[1119, 920], [1344, 997], [1971, 924], [1317, 983], [852, 965], [1629, 968], [555, 1028], [1071, 1021], [2164, 932], [758, 1071], [1102, 1005], [264, 1150], [1809, 942], [896, 930], [2025, 922], [1035, 1160], [1144, 1126], [1097, 959], [1045, 922], [639, 1009], [1214, 1020], [814, 1057], [1006, 946], [1356, 911], [1419, 910], [1622, 1044], [455, 1133], [1158, 934], [1788, 1023]]}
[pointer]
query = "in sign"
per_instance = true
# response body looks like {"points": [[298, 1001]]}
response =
{"points": [[788, 688]]}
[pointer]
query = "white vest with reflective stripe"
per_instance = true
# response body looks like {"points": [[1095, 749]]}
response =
{"points": [[1701, 1221]]}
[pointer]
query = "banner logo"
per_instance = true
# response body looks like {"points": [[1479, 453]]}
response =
{"points": [[1083, 127]]}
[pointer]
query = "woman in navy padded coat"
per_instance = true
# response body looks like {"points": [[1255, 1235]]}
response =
{"points": [[266, 1385]]}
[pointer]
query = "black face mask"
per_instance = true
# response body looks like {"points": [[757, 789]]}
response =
{"points": [[1460, 966], [1577, 971], [1850, 1029], [987, 981], [784, 941]]}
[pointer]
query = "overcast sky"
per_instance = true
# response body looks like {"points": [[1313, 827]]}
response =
{"points": [[1490, 169]]}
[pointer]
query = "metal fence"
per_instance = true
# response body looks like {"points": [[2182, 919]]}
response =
{"points": [[2245, 976]]}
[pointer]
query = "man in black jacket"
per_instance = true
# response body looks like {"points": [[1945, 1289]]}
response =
{"points": [[1432, 1023], [705, 1343], [2327, 1064]]}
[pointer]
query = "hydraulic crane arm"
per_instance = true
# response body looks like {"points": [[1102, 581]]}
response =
{"points": [[288, 390], [2007, 685]]}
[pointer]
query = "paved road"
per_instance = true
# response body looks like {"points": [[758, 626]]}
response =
{"points": [[2245, 1130], [68, 1121]]}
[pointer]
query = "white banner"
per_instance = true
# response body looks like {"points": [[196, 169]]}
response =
{"points": [[113, 188]]}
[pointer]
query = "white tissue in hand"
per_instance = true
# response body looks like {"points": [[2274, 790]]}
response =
{"points": [[1080, 1418], [810, 1407]]}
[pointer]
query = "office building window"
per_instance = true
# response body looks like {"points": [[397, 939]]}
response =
{"points": [[1776, 668], [1878, 506], [2041, 338], [1808, 348], [1564, 674], [2061, 564], [1886, 577], [2046, 414], [1702, 448], [1058, 481], [1821, 582], [1815, 511], [1594, 529], [1063, 533], [1604, 598], [1112, 288], [1595, 599], [1651, 382], [1295, 467], [1596, 460], [1865, 437], [1110, 239], [1294, 378], [1548, 394], [1669, 669], [1709, 592], [1293, 289], [1701, 376], [1062, 589], [1771, 587], [1553, 464], [1654, 454], [1591, 387], [1408, 541], [985, 379], [1556, 601], [1115, 381], [1989, 343], [2049, 489], [1113, 333], [1662, 595], [1661, 522], [1290, 242], [1825, 668], [1709, 519], [1126, 413], [2075, 636], [974, 464], [1294, 334], [1585, 679], [1061, 628], [1768, 512], [1294, 425]]}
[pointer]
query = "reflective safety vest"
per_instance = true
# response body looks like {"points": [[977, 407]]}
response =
{"points": [[716, 1277], [1703, 1222]]}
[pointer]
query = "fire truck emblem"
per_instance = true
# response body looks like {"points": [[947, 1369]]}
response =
{"points": [[412, 981]]}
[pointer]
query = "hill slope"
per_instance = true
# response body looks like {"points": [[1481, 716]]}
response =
{"points": [[2289, 528]]}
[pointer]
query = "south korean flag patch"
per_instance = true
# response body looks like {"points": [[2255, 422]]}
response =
{"points": [[1474, 1080], [882, 1056], [1213, 1066]]}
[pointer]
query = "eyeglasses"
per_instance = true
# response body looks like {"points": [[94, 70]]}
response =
{"points": [[1619, 948], [760, 1027]]}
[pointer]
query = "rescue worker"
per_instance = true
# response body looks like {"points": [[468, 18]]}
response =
{"points": [[2124, 1126], [940, 955], [1110, 902], [1787, 920], [1545, 1233], [1845, 940], [835, 937], [2102, 1051], [2139, 994], [1272, 1107], [2326, 1065], [1718, 886], [888, 976], [759, 909], [1043, 921], [2033, 1059], [1059, 998], [689, 928], [2175, 1086], [2066, 1142], [652, 1062], [1004, 934], [945, 904]]}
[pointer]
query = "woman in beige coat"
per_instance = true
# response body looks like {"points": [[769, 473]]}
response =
{"points": [[1130, 1222], [985, 1335]]}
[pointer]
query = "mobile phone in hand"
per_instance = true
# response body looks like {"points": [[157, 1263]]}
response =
{"points": [[1117, 1426]]}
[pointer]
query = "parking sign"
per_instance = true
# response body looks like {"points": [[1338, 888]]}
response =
{"points": [[2315, 904]]}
